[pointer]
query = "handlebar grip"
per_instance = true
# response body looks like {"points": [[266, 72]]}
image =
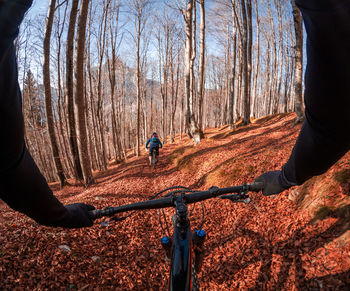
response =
{"points": [[94, 214], [98, 213], [256, 186]]}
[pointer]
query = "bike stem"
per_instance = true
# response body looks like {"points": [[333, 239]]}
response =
{"points": [[181, 213]]}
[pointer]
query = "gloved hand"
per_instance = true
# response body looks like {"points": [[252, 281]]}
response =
{"points": [[274, 182], [78, 216]]}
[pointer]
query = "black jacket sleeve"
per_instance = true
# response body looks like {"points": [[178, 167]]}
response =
{"points": [[324, 137], [22, 186]]}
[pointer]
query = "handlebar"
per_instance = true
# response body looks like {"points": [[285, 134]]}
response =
{"points": [[169, 201]]}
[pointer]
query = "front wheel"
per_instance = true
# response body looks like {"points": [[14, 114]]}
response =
{"points": [[154, 160], [195, 283]]}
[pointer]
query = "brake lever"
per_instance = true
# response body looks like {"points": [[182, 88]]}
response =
{"points": [[114, 219], [241, 197], [245, 201]]}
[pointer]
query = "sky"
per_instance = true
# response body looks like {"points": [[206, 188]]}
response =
{"points": [[38, 7]]}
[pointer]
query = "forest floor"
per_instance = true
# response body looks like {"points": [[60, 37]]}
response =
{"points": [[298, 240]]}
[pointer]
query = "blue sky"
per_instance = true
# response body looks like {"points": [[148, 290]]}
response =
{"points": [[39, 6]]}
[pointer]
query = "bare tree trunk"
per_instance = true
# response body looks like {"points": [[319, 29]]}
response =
{"points": [[138, 87], [96, 159], [231, 99], [61, 124], [201, 65], [281, 49], [298, 82], [139, 12], [182, 116], [287, 80], [255, 82], [151, 102], [232, 80], [174, 93], [113, 29], [245, 62], [79, 100], [238, 54], [191, 126], [163, 71], [48, 97], [123, 97], [100, 113], [249, 52], [239, 103], [193, 103], [69, 91], [188, 54]]}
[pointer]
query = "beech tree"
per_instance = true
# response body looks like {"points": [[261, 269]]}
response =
{"points": [[48, 96], [79, 98], [298, 82], [139, 10], [113, 27], [70, 90], [201, 64], [192, 128]]}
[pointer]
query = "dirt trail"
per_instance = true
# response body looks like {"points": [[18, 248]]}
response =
{"points": [[269, 244]]}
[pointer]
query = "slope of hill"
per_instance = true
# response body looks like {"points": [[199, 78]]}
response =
{"points": [[295, 240]]}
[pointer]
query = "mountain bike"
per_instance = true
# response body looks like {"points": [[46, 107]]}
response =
{"points": [[154, 157], [184, 249]]}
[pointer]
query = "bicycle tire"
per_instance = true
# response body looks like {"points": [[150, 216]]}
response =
{"points": [[195, 282], [154, 158]]}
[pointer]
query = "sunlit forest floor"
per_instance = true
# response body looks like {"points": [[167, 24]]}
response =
{"points": [[298, 240]]}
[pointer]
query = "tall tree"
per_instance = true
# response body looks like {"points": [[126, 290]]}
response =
{"points": [[48, 95], [70, 90], [175, 79], [245, 62], [101, 45], [112, 68], [61, 120], [298, 81], [257, 62], [201, 64], [79, 98], [249, 55], [139, 10], [164, 50], [231, 100], [191, 126]]}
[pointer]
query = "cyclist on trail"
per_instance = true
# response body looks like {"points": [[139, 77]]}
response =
{"points": [[154, 144], [325, 134], [22, 186]]}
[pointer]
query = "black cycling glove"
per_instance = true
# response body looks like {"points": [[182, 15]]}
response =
{"points": [[77, 216], [274, 182]]}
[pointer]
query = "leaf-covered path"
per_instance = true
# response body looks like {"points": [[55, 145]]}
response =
{"points": [[293, 241]]}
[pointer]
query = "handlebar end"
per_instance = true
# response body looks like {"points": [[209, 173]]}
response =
{"points": [[256, 186]]}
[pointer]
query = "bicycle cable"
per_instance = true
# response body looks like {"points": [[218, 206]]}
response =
{"points": [[166, 230]]}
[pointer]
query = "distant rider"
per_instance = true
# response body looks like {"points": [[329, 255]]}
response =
{"points": [[154, 145]]}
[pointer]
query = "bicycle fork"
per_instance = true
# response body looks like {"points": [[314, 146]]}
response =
{"points": [[198, 239]]}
